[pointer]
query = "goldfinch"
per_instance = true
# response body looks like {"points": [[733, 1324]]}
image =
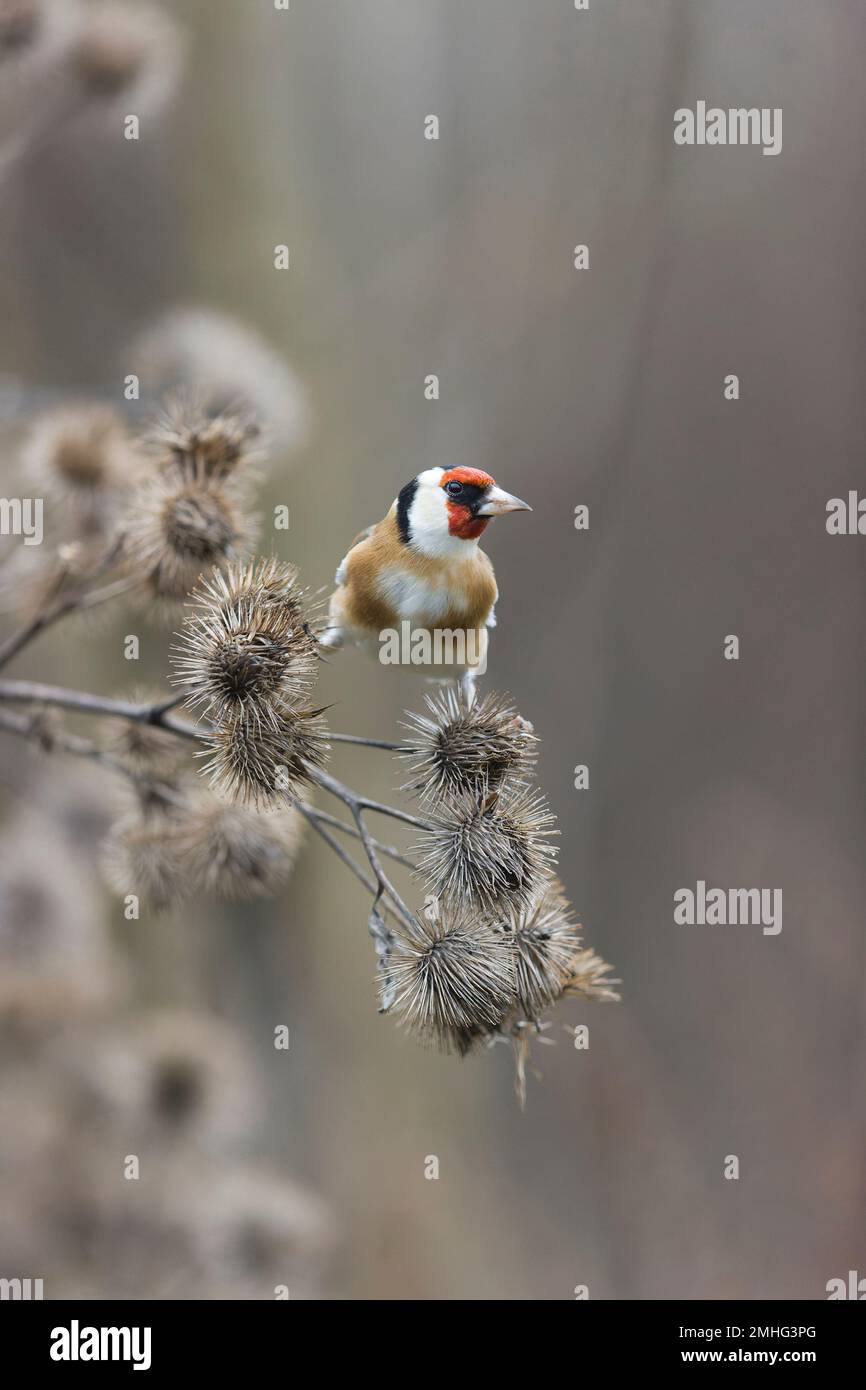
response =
{"points": [[419, 578]]}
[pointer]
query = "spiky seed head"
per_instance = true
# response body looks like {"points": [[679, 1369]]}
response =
{"points": [[490, 850], [158, 794], [180, 528], [272, 583], [547, 943], [83, 461], [169, 1075], [201, 443], [262, 759], [211, 353], [450, 979], [145, 748], [460, 747], [247, 647], [238, 852], [20, 22], [36, 37], [254, 1227], [588, 978], [134, 53], [79, 450], [141, 855]]}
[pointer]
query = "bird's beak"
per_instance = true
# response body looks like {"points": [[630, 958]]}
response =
{"points": [[498, 502]]}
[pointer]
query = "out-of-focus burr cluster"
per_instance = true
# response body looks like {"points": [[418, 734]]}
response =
{"points": [[128, 1134]]}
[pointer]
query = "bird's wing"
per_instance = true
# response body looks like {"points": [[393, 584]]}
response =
{"points": [[340, 576]]}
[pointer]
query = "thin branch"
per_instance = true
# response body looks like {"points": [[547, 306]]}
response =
{"points": [[385, 885], [26, 726], [58, 607], [356, 799], [377, 926], [390, 850], [83, 702], [93, 597], [310, 815], [357, 805], [394, 812], [369, 742]]}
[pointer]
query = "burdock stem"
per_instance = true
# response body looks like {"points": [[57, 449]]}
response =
{"points": [[159, 715], [58, 605]]}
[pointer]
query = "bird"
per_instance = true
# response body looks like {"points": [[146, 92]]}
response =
{"points": [[416, 587]]}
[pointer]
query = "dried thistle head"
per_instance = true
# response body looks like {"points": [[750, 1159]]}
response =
{"points": [[128, 53], [588, 979], [461, 747], [247, 647], [168, 1076], [255, 1229], [81, 458], [79, 450], [450, 979], [272, 583], [238, 852], [204, 443], [142, 855], [490, 850], [20, 22], [148, 749], [550, 961], [262, 759], [179, 528], [205, 351], [551, 964], [547, 941], [35, 39]]}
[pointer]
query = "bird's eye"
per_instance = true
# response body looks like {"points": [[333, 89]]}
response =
{"points": [[454, 489]]}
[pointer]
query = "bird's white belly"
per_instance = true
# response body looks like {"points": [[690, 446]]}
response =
{"points": [[415, 598]]}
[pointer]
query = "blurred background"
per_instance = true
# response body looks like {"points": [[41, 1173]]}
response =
{"points": [[603, 387]]}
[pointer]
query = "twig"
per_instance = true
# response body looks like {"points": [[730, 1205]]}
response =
{"points": [[56, 608], [390, 850], [83, 702], [369, 742], [26, 727], [312, 818], [357, 805]]}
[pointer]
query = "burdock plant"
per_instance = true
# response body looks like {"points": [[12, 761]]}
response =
{"points": [[215, 798]]}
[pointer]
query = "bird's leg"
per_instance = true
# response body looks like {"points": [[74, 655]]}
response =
{"points": [[332, 638], [467, 687]]}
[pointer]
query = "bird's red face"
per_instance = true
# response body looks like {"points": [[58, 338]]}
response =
{"points": [[444, 507], [463, 488], [472, 499]]}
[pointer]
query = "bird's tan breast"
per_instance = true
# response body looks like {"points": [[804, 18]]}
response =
{"points": [[387, 582]]}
